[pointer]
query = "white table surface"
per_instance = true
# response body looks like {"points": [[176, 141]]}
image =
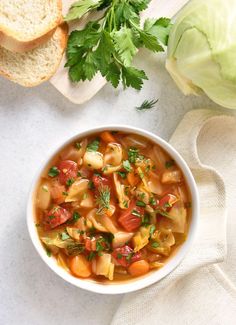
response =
{"points": [[32, 123]]}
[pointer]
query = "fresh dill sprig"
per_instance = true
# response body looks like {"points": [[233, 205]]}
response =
{"points": [[103, 199], [147, 104]]}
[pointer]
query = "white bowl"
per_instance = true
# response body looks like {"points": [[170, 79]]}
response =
{"points": [[136, 283]]}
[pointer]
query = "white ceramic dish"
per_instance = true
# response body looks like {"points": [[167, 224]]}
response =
{"points": [[136, 283]]}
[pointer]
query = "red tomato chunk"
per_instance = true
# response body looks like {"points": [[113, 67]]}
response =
{"points": [[131, 218], [68, 171], [56, 216]]}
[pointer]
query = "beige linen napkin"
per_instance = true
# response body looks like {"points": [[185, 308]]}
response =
{"points": [[198, 291]]}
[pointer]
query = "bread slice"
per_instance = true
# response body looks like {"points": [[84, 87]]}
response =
{"points": [[25, 24], [32, 68]]}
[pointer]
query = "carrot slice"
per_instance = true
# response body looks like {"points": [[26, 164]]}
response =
{"points": [[139, 268], [107, 137], [80, 266], [133, 179]]}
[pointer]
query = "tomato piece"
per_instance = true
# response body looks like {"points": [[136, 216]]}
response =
{"points": [[131, 218], [56, 216], [90, 244], [68, 170], [99, 180], [167, 201], [125, 255]]}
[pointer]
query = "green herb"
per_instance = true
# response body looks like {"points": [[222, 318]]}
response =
{"points": [[122, 174], [37, 225], [164, 213], [167, 205], [153, 167], [94, 145], [155, 244], [103, 199], [99, 246], [152, 230], [49, 253], [91, 185], [78, 145], [75, 249], [109, 44], [141, 204], [53, 171], [119, 256], [146, 220], [169, 163], [147, 169], [125, 203], [133, 154], [136, 213], [91, 256], [152, 201], [51, 217], [129, 256], [65, 193], [70, 181], [127, 166], [81, 232], [76, 216], [64, 236], [147, 104]]}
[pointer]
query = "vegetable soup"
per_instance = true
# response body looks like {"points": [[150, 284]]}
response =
{"points": [[112, 206]]}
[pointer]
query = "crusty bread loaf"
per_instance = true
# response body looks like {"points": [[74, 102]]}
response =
{"points": [[25, 24], [33, 67]]}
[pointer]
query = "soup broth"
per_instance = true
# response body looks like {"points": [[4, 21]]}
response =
{"points": [[112, 206]]}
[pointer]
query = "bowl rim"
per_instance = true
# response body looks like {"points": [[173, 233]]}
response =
{"points": [[149, 278]]}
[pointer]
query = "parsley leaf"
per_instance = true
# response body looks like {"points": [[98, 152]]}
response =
{"points": [[169, 163], [53, 171], [109, 44], [127, 166], [94, 145], [103, 199]]}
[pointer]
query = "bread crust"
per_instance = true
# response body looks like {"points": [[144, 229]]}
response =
{"points": [[10, 40], [63, 32]]}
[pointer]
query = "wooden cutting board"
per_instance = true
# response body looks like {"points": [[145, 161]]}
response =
{"points": [[81, 92]]}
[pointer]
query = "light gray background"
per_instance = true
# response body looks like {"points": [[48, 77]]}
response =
{"points": [[32, 123]]}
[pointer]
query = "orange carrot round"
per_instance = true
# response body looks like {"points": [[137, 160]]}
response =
{"points": [[139, 268]]}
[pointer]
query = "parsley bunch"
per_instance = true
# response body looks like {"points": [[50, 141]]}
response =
{"points": [[109, 44]]}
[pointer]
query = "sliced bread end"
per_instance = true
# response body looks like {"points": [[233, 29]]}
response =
{"points": [[31, 68]]}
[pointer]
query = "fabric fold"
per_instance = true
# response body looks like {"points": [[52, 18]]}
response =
{"points": [[197, 275]]}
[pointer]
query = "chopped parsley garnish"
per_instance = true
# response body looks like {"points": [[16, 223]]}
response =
{"points": [[49, 253], [127, 166], [152, 230], [37, 225], [155, 244], [119, 256], [91, 256], [125, 203], [99, 246], [94, 145], [65, 193], [136, 213], [70, 181], [91, 185], [53, 171], [147, 104], [169, 163], [133, 154], [75, 249], [122, 174], [141, 204], [79, 174], [129, 256], [103, 199], [146, 220], [78, 145], [152, 201], [64, 236], [76, 216], [81, 232], [51, 217]]}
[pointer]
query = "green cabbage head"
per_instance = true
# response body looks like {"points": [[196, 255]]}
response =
{"points": [[202, 50]]}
